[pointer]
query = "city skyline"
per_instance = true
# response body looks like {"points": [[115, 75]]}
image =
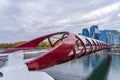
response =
{"points": [[112, 37], [25, 20]]}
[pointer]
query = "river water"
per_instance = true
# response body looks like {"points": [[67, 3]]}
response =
{"points": [[91, 67]]}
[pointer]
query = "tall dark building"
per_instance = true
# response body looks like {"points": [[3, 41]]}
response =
{"points": [[85, 32], [94, 32]]}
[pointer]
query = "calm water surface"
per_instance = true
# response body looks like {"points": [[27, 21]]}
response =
{"points": [[91, 67]]}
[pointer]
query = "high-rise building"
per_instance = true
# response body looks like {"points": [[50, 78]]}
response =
{"points": [[85, 32], [111, 37], [94, 32], [104, 35], [114, 38]]}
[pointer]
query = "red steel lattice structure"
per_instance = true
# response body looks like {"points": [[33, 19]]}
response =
{"points": [[70, 47]]}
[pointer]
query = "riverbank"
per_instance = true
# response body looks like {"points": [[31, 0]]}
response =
{"points": [[108, 52]]}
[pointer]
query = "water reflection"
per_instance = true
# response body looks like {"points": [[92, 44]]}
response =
{"points": [[91, 67], [101, 71], [91, 61], [114, 73]]}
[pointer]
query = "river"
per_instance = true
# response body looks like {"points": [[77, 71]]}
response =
{"points": [[91, 67]]}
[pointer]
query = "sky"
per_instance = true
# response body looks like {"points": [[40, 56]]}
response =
{"points": [[29, 19]]}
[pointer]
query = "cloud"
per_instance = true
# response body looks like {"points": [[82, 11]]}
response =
{"points": [[28, 19], [3, 3], [119, 14]]}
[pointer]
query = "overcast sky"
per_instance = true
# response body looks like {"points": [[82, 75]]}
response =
{"points": [[28, 19]]}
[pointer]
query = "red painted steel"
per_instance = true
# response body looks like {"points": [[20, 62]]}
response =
{"points": [[71, 46], [90, 47], [32, 44], [83, 50], [54, 56]]}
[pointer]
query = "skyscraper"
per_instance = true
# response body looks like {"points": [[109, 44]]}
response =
{"points": [[94, 32], [114, 38], [111, 37], [85, 32], [104, 35]]}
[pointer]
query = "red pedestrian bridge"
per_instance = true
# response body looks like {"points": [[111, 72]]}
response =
{"points": [[65, 46]]}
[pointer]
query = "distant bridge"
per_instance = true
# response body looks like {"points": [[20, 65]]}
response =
{"points": [[65, 46]]}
